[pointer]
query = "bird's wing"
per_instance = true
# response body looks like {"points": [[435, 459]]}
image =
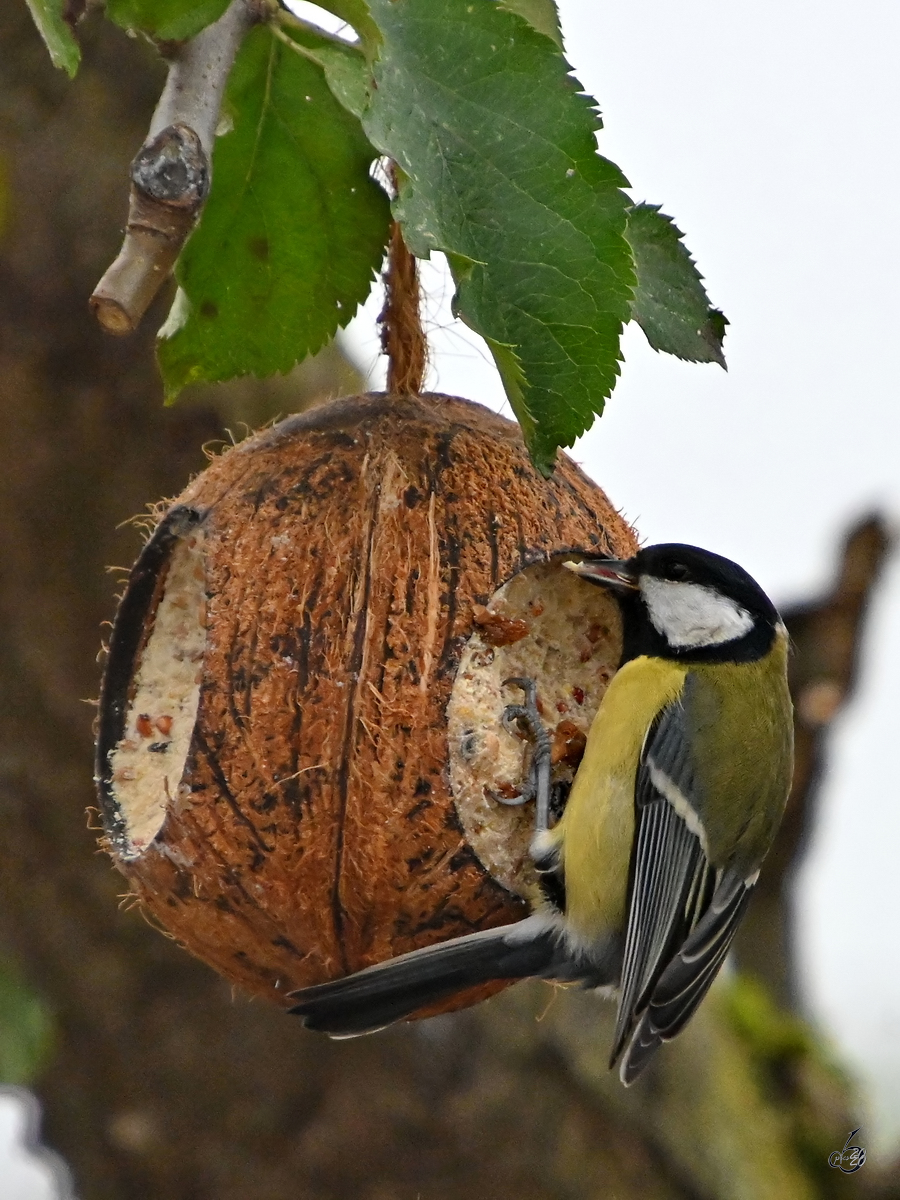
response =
{"points": [[682, 913], [687, 977]]}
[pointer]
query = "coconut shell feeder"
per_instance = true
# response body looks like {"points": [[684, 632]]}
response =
{"points": [[301, 755]]}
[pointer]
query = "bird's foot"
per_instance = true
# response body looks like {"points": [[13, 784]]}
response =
{"points": [[526, 718]]}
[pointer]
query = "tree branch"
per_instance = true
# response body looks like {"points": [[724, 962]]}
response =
{"points": [[826, 635], [171, 173]]}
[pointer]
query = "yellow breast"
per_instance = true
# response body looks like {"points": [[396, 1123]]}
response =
{"points": [[596, 830]]}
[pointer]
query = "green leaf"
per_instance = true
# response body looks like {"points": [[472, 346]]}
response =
{"points": [[25, 1029], [512, 376], [292, 232], [670, 302], [168, 20], [497, 148], [346, 69], [542, 15], [57, 34]]}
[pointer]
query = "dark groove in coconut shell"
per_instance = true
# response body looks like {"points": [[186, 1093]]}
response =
{"points": [[315, 831]]}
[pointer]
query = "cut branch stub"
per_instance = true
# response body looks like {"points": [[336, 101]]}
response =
{"points": [[276, 776], [169, 185], [170, 175], [173, 169]]}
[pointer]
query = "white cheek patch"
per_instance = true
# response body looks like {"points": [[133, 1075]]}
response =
{"points": [[689, 615]]}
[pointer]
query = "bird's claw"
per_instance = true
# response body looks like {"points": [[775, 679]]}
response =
{"points": [[514, 801], [527, 717], [527, 712]]}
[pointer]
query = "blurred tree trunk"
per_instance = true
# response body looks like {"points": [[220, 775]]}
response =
{"points": [[163, 1085]]}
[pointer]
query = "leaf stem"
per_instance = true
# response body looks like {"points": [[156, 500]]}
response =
{"points": [[297, 47], [402, 336], [291, 21]]}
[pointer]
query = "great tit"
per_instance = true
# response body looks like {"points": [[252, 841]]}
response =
{"points": [[647, 873]]}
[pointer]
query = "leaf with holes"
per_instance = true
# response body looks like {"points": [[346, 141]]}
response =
{"points": [[497, 149], [291, 235]]}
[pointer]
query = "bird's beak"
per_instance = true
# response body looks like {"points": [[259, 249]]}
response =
{"points": [[612, 573]]}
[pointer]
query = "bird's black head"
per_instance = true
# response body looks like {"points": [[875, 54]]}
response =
{"points": [[683, 602]]}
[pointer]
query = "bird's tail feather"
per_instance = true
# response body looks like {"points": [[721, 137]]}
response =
{"points": [[377, 996]]}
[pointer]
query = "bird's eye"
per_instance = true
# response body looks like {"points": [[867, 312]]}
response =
{"points": [[678, 571]]}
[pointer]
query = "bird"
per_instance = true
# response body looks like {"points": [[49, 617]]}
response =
{"points": [[645, 876]]}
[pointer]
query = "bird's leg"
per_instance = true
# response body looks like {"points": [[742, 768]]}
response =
{"points": [[538, 786]]}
